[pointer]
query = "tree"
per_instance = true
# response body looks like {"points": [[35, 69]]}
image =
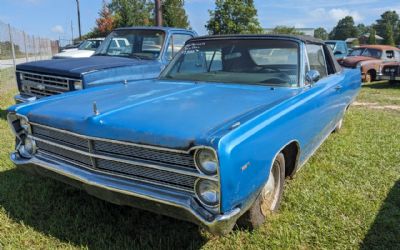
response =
{"points": [[389, 39], [174, 14], [233, 17], [388, 18], [286, 30], [321, 33], [344, 29], [372, 37], [105, 23], [132, 12], [363, 29]]}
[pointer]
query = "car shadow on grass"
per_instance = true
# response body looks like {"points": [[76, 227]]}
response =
{"points": [[74, 217], [3, 114], [382, 85], [385, 231]]}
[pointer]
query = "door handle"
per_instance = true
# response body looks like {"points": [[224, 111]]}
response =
{"points": [[338, 87]]}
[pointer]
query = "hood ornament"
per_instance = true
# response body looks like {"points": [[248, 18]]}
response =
{"points": [[95, 110]]}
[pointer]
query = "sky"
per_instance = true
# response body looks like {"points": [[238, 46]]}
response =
{"points": [[52, 18]]}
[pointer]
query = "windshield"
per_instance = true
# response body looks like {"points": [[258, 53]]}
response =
{"points": [[332, 45], [376, 53], [89, 45], [263, 62], [143, 44]]}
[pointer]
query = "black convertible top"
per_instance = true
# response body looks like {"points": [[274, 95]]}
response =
{"points": [[305, 39]]}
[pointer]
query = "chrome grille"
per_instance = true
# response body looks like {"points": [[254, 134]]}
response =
{"points": [[41, 85], [161, 167]]}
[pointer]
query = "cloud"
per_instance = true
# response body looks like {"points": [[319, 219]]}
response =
{"points": [[57, 29], [337, 14]]}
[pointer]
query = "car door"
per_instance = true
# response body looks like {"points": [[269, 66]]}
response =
{"points": [[326, 104]]}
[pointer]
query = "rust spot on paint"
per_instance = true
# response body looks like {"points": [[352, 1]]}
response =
{"points": [[245, 166]]}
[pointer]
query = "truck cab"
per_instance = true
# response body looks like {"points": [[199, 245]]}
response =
{"points": [[339, 48]]}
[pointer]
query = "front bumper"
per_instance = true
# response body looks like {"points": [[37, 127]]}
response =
{"points": [[24, 98], [130, 193]]}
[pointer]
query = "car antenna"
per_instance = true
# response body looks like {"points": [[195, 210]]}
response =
{"points": [[95, 110]]}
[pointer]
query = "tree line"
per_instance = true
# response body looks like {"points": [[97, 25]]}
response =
{"points": [[387, 27], [233, 17]]}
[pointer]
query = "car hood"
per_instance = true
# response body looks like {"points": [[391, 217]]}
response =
{"points": [[74, 54], [75, 67], [352, 61], [160, 113]]}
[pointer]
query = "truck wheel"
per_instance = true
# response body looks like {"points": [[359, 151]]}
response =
{"points": [[269, 199]]}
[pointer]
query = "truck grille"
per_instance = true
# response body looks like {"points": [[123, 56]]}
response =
{"points": [[391, 70], [173, 169], [41, 85]]}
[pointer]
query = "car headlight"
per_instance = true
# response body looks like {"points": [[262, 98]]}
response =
{"points": [[78, 85], [206, 161], [28, 147], [207, 192]]}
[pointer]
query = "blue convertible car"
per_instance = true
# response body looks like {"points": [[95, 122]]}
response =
{"points": [[210, 141]]}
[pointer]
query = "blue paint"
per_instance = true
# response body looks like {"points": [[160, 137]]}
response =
{"points": [[100, 70]]}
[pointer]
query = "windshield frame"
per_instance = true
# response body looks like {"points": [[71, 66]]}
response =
{"points": [[300, 61], [106, 43]]}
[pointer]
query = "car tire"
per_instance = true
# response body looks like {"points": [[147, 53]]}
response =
{"points": [[338, 126], [392, 82], [269, 199]]}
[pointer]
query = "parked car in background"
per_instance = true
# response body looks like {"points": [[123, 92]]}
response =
{"points": [[127, 54], [70, 47], [339, 48], [390, 72], [210, 141], [85, 49], [370, 59]]}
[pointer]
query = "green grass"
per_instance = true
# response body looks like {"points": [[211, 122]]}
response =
{"points": [[346, 196]]}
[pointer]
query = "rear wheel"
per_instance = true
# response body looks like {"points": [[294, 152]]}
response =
{"points": [[339, 126], [269, 199]]}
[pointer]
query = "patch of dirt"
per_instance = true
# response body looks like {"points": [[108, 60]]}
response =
{"points": [[374, 105]]}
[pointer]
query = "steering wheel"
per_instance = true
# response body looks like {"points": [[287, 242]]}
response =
{"points": [[281, 78], [267, 68]]}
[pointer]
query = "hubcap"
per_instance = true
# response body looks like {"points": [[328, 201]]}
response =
{"points": [[270, 192]]}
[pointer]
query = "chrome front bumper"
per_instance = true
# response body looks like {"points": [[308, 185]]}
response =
{"points": [[131, 193], [24, 98]]}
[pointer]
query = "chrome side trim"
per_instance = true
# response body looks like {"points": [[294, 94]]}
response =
{"points": [[110, 158]]}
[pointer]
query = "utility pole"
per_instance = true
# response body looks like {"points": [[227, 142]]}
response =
{"points": [[79, 19], [158, 11], [72, 33]]}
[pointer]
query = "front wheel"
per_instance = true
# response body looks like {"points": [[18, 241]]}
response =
{"points": [[269, 199]]}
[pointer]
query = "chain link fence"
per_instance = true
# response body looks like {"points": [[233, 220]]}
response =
{"points": [[17, 47]]}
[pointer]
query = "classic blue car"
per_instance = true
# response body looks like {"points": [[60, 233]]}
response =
{"points": [[211, 141], [134, 53]]}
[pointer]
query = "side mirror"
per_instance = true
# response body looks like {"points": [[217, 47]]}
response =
{"points": [[312, 76]]}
